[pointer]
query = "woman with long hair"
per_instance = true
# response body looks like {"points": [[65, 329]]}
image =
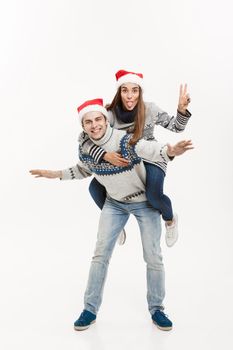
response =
{"points": [[128, 111]]}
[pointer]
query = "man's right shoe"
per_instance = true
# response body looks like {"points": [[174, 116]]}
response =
{"points": [[122, 237], [162, 321], [84, 321]]}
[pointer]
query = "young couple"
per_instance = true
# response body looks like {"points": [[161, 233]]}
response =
{"points": [[117, 146]]}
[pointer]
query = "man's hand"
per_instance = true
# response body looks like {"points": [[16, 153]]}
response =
{"points": [[49, 174], [115, 159], [179, 148], [184, 99]]}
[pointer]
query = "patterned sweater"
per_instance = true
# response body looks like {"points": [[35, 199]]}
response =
{"points": [[124, 184], [154, 116]]}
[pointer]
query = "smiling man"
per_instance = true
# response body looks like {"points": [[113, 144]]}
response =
{"points": [[125, 188]]}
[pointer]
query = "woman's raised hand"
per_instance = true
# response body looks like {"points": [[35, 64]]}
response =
{"points": [[184, 99]]}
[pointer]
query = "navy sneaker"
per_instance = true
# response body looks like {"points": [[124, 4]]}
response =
{"points": [[84, 321], [161, 320]]}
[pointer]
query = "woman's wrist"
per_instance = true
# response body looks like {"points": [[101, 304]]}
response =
{"points": [[181, 110], [106, 156]]}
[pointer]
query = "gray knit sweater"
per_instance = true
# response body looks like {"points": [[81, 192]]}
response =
{"points": [[125, 184], [154, 116]]}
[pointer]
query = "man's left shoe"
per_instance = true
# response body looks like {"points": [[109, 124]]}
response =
{"points": [[171, 235], [162, 321], [84, 321]]}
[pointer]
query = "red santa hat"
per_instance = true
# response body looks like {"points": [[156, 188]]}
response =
{"points": [[122, 76], [95, 105]]}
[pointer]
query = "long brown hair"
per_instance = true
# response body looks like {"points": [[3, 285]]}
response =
{"points": [[139, 121]]}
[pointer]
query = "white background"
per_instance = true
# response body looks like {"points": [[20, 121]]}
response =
{"points": [[54, 55]]}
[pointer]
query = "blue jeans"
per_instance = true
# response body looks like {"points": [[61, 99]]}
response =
{"points": [[154, 191], [112, 220]]}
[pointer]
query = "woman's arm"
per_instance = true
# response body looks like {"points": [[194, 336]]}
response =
{"points": [[115, 159], [184, 100], [98, 153], [157, 152], [173, 123]]}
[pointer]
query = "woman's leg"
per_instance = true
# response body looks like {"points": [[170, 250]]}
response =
{"points": [[158, 200], [98, 193], [154, 191]]}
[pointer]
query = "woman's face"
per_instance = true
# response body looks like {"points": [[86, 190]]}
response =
{"points": [[129, 95]]}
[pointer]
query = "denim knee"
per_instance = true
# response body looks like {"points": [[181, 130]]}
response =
{"points": [[154, 261], [153, 195], [101, 258], [102, 253]]}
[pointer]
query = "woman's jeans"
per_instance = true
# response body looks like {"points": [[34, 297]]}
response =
{"points": [[154, 191], [112, 220]]}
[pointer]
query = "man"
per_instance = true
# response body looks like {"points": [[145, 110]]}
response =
{"points": [[125, 188]]}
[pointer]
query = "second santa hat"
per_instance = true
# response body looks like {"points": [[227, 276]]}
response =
{"points": [[95, 105], [123, 76]]}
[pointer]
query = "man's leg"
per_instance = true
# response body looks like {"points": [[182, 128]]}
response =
{"points": [[112, 220], [150, 227], [98, 193]]}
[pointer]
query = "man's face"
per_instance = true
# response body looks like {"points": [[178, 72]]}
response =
{"points": [[94, 124], [129, 95]]}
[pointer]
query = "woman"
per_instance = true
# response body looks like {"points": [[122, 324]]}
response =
{"points": [[128, 111]]}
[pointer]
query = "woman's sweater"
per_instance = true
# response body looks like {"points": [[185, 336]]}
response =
{"points": [[154, 116]]}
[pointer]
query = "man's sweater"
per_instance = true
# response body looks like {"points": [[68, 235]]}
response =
{"points": [[154, 116], [124, 184]]}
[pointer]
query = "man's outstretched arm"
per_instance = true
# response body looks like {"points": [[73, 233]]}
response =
{"points": [[49, 174], [78, 171]]}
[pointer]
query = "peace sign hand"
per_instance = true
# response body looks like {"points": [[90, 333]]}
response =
{"points": [[184, 99]]}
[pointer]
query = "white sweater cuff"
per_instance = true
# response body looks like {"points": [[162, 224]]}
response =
{"points": [[67, 174], [163, 154]]}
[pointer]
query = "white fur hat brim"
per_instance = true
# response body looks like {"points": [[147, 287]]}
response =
{"points": [[92, 108], [130, 78]]}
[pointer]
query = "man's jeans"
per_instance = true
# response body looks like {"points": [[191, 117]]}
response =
{"points": [[112, 220]]}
